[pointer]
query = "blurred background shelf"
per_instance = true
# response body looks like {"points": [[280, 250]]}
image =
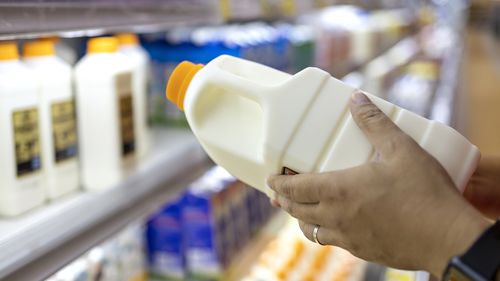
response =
{"points": [[248, 257], [240, 268], [444, 105], [35, 245], [68, 18]]}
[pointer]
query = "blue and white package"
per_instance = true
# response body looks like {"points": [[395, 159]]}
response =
{"points": [[165, 244], [201, 217]]}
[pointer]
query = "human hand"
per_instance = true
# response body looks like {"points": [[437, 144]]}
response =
{"points": [[483, 189], [401, 210]]}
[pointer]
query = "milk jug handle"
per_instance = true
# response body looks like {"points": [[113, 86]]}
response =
{"points": [[242, 86]]}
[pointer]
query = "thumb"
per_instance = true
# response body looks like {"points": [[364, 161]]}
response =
{"points": [[381, 132]]}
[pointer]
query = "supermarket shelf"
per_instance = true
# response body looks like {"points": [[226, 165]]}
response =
{"points": [[73, 18], [35, 245]]}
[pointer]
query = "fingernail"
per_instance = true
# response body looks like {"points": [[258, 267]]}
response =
{"points": [[359, 98]]}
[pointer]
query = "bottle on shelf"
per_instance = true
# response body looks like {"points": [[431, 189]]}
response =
{"points": [[256, 121], [129, 45], [57, 117], [21, 172], [104, 96]]}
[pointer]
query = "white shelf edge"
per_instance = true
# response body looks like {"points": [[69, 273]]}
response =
{"points": [[37, 244], [31, 19]]}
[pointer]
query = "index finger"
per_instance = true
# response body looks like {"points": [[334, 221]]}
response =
{"points": [[301, 188]]}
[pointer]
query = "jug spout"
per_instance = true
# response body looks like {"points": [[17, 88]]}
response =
{"points": [[179, 80]]}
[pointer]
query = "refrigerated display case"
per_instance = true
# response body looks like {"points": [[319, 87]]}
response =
{"points": [[37, 244]]}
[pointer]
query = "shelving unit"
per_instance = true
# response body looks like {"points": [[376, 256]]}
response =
{"points": [[35, 245], [73, 18]]}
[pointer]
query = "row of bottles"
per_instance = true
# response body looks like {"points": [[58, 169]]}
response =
{"points": [[53, 139]]}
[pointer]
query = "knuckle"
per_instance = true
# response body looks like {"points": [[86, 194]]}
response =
{"points": [[337, 192], [292, 188], [400, 142], [320, 193], [318, 189], [292, 193], [369, 114], [342, 193], [328, 185], [286, 187]]}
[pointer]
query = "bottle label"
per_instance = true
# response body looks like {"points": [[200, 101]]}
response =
{"points": [[64, 130], [26, 141], [126, 112]]}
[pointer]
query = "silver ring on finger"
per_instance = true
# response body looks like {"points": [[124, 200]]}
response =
{"points": [[315, 235]]}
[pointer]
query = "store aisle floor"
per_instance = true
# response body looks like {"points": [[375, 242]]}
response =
{"points": [[480, 107]]}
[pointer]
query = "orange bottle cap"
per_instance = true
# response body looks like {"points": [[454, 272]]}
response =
{"points": [[179, 80], [127, 39], [39, 48], [102, 45], [8, 51]]}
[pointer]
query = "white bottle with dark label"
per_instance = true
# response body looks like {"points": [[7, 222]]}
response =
{"points": [[57, 117], [105, 120], [129, 46], [21, 170]]}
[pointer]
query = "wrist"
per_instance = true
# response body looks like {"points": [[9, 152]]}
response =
{"points": [[460, 235]]}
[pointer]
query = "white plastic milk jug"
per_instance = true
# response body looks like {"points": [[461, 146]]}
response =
{"points": [[105, 120], [57, 117], [129, 46], [21, 166], [256, 121]]}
